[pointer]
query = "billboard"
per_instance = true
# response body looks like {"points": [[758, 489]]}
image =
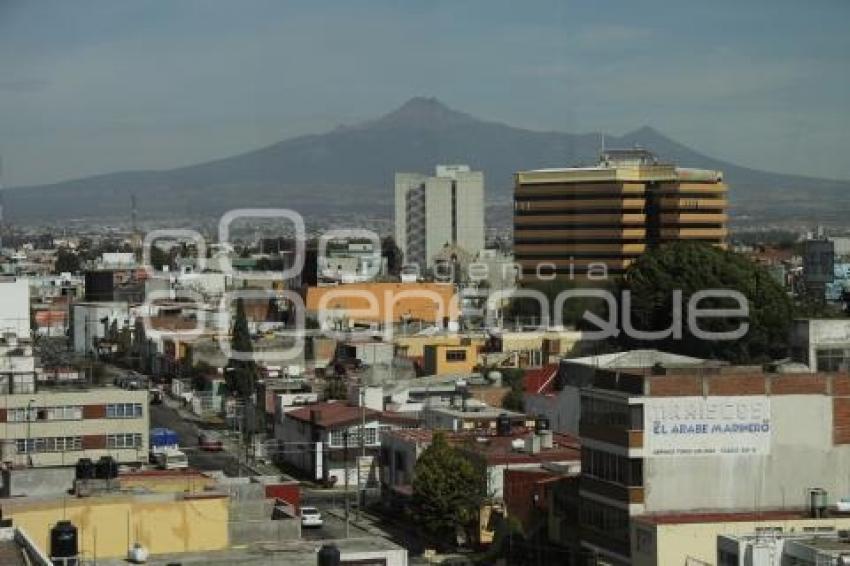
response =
{"points": [[706, 426]]}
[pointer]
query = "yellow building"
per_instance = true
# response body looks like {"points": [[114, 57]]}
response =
{"points": [[109, 525], [660, 540], [413, 346], [445, 359], [594, 221]]}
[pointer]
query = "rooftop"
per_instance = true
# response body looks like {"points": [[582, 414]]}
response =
{"points": [[798, 514], [292, 553], [500, 449], [332, 414]]}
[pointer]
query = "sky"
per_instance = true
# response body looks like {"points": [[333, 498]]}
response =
{"points": [[95, 86]]}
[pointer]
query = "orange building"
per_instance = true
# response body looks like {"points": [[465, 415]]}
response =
{"points": [[384, 302]]}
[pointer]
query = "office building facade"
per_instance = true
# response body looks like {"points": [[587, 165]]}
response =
{"points": [[433, 212], [585, 221]]}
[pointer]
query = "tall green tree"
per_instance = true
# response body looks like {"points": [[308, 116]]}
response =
{"points": [[448, 490], [692, 267], [66, 261], [242, 372], [394, 255]]}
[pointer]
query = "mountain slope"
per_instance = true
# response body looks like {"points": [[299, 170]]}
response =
{"points": [[351, 169]]}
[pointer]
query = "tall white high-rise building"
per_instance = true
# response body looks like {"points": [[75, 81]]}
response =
{"points": [[431, 212]]}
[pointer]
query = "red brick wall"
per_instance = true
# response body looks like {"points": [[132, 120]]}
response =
{"points": [[841, 385], [674, 385], [798, 384], [94, 441], [841, 420], [94, 411], [2, 415], [736, 385]]}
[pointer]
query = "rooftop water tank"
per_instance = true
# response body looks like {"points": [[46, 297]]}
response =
{"points": [[64, 544]]}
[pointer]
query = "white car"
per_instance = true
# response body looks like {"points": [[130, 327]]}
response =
{"points": [[310, 517]]}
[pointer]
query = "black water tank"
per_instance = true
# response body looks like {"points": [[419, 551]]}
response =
{"points": [[63, 544], [107, 468], [84, 469], [541, 424], [503, 425], [328, 555]]}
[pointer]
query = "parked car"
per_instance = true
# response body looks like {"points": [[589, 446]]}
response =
{"points": [[310, 517], [210, 441]]}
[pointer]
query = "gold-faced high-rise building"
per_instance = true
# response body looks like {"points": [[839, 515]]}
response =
{"points": [[575, 221]]}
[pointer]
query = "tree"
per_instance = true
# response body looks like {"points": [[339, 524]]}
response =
{"points": [[335, 388], [448, 490], [66, 261], [692, 267], [391, 251], [241, 370]]}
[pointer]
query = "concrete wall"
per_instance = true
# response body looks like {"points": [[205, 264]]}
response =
{"points": [[40, 482], [108, 526], [802, 455], [562, 409]]}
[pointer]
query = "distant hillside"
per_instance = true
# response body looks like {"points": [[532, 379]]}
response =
{"points": [[351, 169]]}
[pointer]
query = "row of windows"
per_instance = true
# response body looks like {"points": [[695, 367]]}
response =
{"points": [[124, 411], [611, 521], [49, 444], [128, 440], [337, 437], [521, 212], [520, 197], [596, 411], [612, 467], [24, 414]]}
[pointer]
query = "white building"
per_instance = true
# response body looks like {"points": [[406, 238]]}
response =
{"points": [[431, 212], [821, 344], [91, 321], [15, 306]]}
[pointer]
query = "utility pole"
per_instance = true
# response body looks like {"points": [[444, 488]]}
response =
{"points": [[345, 458], [361, 488]]}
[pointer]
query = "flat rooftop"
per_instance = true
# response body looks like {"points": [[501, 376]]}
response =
{"points": [[291, 553], [736, 517]]}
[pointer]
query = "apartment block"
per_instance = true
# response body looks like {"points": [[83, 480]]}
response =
{"points": [[432, 212], [662, 443], [594, 221]]}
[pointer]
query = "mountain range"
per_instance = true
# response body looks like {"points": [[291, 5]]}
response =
{"points": [[350, 169]]}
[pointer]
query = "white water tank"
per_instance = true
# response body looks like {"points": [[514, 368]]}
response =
{"points": [[138, 554]]}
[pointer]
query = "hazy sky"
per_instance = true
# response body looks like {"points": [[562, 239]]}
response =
{"points": [[93, 86]]}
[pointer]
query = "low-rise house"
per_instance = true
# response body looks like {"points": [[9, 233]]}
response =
{"points": [[323, 440]]}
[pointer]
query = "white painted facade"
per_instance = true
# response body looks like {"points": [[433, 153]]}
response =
{"points": [[431, 212], [15, 306]]}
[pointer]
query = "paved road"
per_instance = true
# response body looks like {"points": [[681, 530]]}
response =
{"points": [[165, 416]]}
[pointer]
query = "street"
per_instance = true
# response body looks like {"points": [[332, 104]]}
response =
{"points": [[165, 416]]}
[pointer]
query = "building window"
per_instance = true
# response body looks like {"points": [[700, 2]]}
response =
{"points": [[128, 440], [337, 437], [124, 411], [32, 414], [49, 444], [455, 355], [832, 359], [612, 467]]}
